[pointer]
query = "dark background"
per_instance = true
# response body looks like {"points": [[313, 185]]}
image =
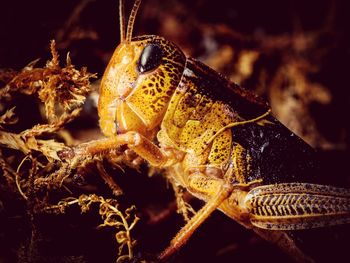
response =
{"points": [[89, 30]]}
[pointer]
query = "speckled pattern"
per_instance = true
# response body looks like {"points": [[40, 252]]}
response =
{"points": [[215, 139], [158, 87], [141, 98], [205, 102], [196, 116]]}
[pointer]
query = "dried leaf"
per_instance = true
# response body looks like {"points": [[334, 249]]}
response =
{"points": [[8, 117]]}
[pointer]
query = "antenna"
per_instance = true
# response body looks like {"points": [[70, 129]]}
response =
{"points": [[132, 20], [122, 21]]}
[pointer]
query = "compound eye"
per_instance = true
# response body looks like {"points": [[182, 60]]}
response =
{"points": [[150, 58]]}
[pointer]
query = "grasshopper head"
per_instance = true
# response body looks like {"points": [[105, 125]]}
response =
{"points": [[138, 82]]}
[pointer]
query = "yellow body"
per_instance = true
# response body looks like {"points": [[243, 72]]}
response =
{"points": [[165, 106], [136, 101], [179, 115]]}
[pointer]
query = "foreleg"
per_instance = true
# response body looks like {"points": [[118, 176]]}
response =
{"points": [[143, 147]]}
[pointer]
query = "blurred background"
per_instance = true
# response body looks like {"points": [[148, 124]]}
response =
{"points": [[295, 54]]}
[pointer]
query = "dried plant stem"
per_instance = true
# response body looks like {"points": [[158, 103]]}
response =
{"points": [[17, 177], [111, 215]]}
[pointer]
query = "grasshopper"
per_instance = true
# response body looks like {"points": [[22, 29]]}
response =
{"points": [[213, 138]]}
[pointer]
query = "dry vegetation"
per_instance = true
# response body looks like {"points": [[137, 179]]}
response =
{"points": [[297, 65]]}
